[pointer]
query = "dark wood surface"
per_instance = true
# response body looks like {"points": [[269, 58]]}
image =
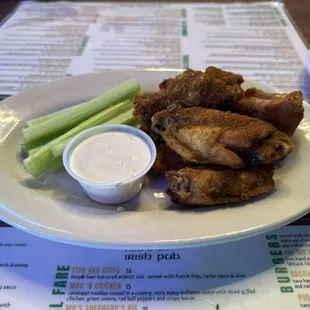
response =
{"points": [[298, 11]]}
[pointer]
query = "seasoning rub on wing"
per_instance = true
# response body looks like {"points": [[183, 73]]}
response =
{"points": [[207, 136], [283, 111], [195, 186], [213, 88]]}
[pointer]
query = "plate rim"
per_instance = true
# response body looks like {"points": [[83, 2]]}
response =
{"points": [[164, 245]]}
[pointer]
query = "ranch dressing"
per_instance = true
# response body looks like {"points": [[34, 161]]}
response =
{"points": [[110, 157]]}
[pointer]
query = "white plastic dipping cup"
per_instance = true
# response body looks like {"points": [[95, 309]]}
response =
{"points": [[106, 193]]}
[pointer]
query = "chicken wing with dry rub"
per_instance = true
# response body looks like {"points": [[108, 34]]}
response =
{"points": [[213, 88], [194, 186], [208, 136], [283, 111], [167, 159]]}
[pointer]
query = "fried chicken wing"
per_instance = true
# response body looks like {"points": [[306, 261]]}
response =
{"points": [[167, 159], [208, 136], [230, 78], [283, 111], [194, 186], [214, 88]]}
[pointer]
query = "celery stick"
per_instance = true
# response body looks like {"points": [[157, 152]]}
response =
{"points": [[39, 162], [44, 118], [27, 151], [132, 121], [72, 117], [58, 148], [124, 118], [135, 122], [36, 144], [32, 151], [56, 165]]}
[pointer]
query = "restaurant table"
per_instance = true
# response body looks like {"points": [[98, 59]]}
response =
{"points": [[297, 10], [269, 271]]}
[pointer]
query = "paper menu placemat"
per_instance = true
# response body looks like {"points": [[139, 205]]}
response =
{"points": [[41, 42], [271, 271]]}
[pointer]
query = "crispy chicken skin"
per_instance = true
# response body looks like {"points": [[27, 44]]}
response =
{"points": [[213, 88], [230, 78], [194, 186], [283, 111], [167, 159], [208, 136], [215, 142]]}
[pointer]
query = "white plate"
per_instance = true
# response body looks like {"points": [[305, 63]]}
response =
{"points": [[56, 208], [308, 61]]}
